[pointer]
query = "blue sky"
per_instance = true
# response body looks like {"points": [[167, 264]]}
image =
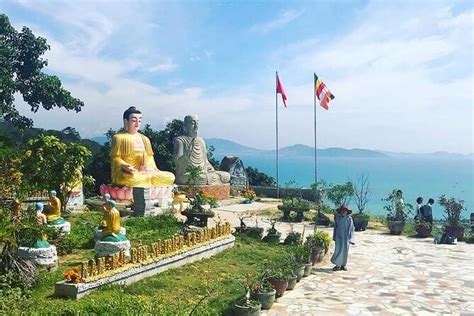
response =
{"points": [[401, 71]]}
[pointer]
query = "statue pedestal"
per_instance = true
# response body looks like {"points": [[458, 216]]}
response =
{"points": [[44, 257], [98, 233], [106, 248], [65, 228], [220, 191], [125, 194]]}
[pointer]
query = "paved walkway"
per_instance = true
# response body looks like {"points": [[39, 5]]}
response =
{"points": [[388, 275]]}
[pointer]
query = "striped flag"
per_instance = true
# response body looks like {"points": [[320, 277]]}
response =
{"points": [[322, 92]]}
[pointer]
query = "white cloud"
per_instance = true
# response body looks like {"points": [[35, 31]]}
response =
{"points": [[282, 20], [166, 66]]}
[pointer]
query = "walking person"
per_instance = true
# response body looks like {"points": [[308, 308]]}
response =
{"points": [[343, 235]]}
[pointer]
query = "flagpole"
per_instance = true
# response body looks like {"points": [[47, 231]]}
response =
{"points": [[276, 111], [315, 143]]}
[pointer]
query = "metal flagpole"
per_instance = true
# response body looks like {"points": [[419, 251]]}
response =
{"points": [[315, 143], [316, 193], [276, 111]]}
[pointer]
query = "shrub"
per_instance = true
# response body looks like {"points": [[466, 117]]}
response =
{"points": [[453, 209]]}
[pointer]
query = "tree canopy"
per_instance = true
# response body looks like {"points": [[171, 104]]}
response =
{"points": [[21, 63]]}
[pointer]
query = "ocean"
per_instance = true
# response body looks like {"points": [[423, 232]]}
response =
{"points": [[428, 177]]}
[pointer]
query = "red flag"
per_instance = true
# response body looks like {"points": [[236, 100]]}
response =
{"points": [[279, 89]]}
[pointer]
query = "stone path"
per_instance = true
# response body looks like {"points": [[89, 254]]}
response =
{"points": [[388, 275]]}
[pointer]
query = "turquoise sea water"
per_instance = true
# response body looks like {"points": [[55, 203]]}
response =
{"points": [[417, 176]]}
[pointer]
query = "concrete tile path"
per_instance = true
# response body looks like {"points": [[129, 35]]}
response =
{"points": [[388, 275]]}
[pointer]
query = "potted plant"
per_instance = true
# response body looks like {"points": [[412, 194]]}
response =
{"points": [[249, 196], [263, 291], [315, 243], [361, 196], [293, 238], [299, 255], [278, 276], [423, 228], [273, 236], [295, 204], [247, 306], [397, 212], [453, 209]]}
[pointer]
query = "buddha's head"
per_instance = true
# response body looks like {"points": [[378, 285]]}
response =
{"points": [[132, 119], [52, 194], [191, 124], [110, 204]]}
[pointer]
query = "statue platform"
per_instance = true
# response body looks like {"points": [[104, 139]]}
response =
{"points": [[125, 194], [106, 248], [220, 191], [98, 233], [43, 257]]}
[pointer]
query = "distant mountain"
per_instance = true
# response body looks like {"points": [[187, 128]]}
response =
{"points": [[438, 154], [99, 139], [229, 148], [225, 147]]}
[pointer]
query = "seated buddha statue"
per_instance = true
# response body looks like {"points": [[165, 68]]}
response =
{"points": [[190, 150], [41, 219], [111, 223], [54, 209], [132, 156]]}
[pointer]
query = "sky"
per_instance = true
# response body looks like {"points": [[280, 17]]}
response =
{"points": [[401, 71]]}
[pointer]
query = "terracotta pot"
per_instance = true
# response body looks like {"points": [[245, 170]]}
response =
{"points": [[279, 286]]}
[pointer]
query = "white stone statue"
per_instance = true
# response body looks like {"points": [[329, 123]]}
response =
{"points": [[190, 150]]}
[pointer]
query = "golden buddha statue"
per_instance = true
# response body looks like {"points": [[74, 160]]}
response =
{"points": [[132, 156], [54, 207], [111, 220]]}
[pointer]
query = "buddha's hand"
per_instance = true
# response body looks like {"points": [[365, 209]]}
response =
{"points": [[143, 169], [128, 169]]}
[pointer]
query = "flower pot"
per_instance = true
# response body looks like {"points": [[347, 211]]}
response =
{"points": [[455, 231], [423, 231], [266, 298], [299, 271], [317, 255], [308, 267], [242, 309], [292, 279], [279, 286], [360, 222], [396, 227]]}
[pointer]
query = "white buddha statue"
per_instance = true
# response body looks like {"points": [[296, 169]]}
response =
{"points": [[190, 150]]}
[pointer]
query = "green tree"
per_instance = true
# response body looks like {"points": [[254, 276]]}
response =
{"points": [[21, 63], [257, 178], [340, 194], [50, 164], [162, 143]]}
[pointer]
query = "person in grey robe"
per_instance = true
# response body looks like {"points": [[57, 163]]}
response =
{"points": [[343, 235]]}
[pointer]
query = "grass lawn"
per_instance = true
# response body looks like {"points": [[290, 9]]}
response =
{"points": [[217, 281]]}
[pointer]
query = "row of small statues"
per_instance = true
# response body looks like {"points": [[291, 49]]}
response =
{"points": [[158, 249], [132, 156]]}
